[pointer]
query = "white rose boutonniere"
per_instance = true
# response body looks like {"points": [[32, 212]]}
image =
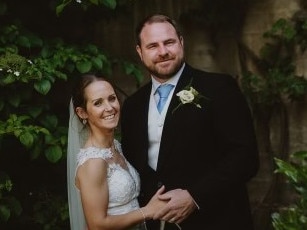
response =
{"points": [[189, 95]]}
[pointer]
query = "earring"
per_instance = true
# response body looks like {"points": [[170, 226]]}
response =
{"points": [[84, 121]]}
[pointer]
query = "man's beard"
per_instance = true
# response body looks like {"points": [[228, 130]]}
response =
{"points": [[165, 74]]}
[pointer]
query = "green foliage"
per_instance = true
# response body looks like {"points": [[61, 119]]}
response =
{"points": [[133, 70], [31, 121], [30, 69], [85, 4], [9, 205], [51, 211], [294, 216], [276, 78], [15, 125], [274, 84]]}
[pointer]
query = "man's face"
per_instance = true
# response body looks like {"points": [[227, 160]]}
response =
{"points": [[161, 50]]}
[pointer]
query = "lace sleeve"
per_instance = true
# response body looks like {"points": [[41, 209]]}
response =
{"points": [[92, 153]]}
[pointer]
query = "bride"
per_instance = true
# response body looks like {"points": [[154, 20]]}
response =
{"points": [[102, 185]]}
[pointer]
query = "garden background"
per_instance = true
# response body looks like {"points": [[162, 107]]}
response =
{"points": [[44, 45]]}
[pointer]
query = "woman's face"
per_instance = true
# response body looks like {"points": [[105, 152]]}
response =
{"points": [[102, 106]]}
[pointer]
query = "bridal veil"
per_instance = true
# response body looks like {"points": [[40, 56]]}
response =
{"points": [[77, 134]]}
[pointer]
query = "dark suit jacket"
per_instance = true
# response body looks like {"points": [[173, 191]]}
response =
{"points": [[210, 151]]}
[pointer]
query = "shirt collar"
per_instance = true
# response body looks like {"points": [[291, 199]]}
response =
{"points": [[173, 80]]}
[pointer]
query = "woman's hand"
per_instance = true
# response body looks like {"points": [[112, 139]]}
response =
{"points": [[155, 204]]}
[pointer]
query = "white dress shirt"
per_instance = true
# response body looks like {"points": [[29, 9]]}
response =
{"points": [[156, 120]]}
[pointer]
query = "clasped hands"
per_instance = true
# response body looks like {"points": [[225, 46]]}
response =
{"points": [[176, 205]]}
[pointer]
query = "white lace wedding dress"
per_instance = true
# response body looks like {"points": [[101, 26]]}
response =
{"points": [[124, 185]]}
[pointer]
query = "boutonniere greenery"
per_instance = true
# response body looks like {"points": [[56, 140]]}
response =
{"points": [[189, 95]]}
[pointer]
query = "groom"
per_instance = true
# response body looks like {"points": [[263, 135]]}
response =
{"points": [[200, 144]]}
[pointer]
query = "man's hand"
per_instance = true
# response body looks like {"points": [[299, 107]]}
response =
{"points": [[180, 205]]}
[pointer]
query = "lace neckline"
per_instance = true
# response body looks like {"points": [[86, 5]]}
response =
{"points": [[106, 150]]}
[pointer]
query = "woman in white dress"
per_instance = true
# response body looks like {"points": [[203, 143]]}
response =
{"points": [[102, 185]]}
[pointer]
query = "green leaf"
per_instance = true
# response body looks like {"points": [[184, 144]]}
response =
{"points": [[26, 139], [45, 52], [129, 68], [70, 67], [59, 9], [17, 132], [44, 131], [42, 86], [62, 76], [24, 41], [63, 140], [288, 169], [92, 49], [95, 2], [36, 151], [35, 111], [23, 118], [49, 121], [49, 139], [110, 3], [14, 205], [97, 62], [35, 41], [8, 79], [14, 100], [54, 153], [5, 213], [300, 155], [138, 76], [84, 66]]}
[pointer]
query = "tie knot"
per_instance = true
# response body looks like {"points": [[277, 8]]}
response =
{"points": [[164, 90]]}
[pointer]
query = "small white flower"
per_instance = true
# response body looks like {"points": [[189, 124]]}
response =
{"points": [[78, 1], [16, 73], [29, 61], [189, 95], [186, 96]]}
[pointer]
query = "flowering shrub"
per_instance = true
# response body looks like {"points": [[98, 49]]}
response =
{"points": [[30, 67]]}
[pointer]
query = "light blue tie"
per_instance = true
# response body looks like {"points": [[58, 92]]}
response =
{"points": [[163, 91]]}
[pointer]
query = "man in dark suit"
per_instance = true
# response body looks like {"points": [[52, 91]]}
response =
{"points": [[201, 145]]}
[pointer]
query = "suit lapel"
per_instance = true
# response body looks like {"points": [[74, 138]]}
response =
{"points": [[182, 83], [141, 110], [167, 138]]}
